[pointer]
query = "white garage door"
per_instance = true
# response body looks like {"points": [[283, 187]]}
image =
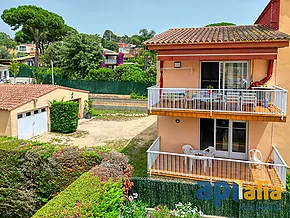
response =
{"points": [[32, 123]]}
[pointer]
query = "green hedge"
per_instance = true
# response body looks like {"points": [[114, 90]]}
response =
{"points": [[86, 197], [64, 116], [158, 192], [32, 173]]}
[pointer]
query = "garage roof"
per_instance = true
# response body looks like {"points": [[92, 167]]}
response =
{"points": [[16, 95]]}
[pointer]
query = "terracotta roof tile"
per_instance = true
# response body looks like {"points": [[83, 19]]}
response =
{"points": [[217, 34], [16, 95]]}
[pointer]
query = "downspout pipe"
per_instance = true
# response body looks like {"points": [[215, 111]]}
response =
{"points": [[265, 79]]}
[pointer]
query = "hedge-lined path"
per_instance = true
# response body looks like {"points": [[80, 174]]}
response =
{"points": [[98, 132]]}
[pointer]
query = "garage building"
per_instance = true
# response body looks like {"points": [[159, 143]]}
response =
{"points": [[24, 108]]}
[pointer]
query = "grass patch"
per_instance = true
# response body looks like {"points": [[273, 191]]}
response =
{"points": [[10, 143], [136, 151], [96, 112]]}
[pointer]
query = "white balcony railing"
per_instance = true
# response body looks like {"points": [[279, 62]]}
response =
{"points": [[257, 101], [110, 61], [278, 159], [215, 169]]}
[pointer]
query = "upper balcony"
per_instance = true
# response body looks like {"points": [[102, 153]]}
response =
{"points": [[110, 61], [259, 104]]}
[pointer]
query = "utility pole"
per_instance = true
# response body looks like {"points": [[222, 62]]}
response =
{"points": [[52, 76]]}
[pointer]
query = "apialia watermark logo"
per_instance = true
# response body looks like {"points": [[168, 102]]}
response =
{"points": [[222, 190]]}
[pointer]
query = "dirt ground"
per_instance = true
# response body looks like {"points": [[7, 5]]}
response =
{"points": [[99, 132]]}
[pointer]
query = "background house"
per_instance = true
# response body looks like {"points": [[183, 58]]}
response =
{"points": [[110, 58], [28, 49], [24, 108], [4, 73], [128, 50]]}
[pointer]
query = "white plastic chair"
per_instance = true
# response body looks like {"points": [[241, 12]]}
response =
{"points": [[255, 156], [249, 100], [210, 151], [232, 101], [187, 149]]}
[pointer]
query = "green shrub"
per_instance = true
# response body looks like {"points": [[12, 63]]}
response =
{"points": [[86, 197], [100, 74], [32, 173], [134, 209], [64, 116], [135, 95]]}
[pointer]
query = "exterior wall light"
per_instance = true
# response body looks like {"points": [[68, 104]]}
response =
{"points": [[177, 64]]}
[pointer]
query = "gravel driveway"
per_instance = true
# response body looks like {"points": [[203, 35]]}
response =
{"points": [[98, 132]]}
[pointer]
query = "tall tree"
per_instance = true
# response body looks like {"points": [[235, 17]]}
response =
{"points": [[110, 36], [4, 53], [35, 19], [6, 41], [77, 54], [110, 45], [145, 34], [14, 67], [25, 35]]}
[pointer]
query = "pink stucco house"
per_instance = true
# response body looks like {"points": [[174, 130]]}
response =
{"points": [[224, 90]]}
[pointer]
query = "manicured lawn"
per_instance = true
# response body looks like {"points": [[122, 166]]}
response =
{"points": [[112, 112], [138, 157]]}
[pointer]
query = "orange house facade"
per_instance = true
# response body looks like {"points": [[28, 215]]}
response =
{"points": [[219, 97]]}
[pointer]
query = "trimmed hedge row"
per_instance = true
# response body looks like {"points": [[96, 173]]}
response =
{"points": [[64, 116], [159, 192], [32, 173], [86, 197]]}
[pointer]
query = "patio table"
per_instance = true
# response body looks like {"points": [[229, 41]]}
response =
{"points": [[197, 154]]}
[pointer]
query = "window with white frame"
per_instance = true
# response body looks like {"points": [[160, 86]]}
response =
{"points": [[22, 48], [234, 75]]}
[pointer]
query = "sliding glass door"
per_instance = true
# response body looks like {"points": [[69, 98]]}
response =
{"points": [[234, 75], [229, 137]]}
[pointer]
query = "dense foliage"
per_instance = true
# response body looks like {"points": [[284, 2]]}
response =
{"points": [[64, 116], [32, 173], [33, 20], [86, 197], [4, 53], [221, 24], [7, 41], [136, 39], [98, 193], [14, 67], [124, 72], [77, 54]]}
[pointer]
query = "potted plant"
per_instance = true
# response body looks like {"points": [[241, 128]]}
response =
{"points": [[209, 87], [88, 109]]}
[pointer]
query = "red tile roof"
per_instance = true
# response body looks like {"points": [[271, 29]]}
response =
{"points": [[16, 95], [218, 34]]}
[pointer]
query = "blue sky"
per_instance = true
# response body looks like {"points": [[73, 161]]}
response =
{"points": [[129, 16]]}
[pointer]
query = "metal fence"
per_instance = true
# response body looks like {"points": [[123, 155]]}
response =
{"points": [[272, 101], [98, 87]]}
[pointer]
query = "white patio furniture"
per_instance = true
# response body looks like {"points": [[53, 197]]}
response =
{"points": [[210, 151], [232, 101], [256, 156], [187, 149], [249, 100]]}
